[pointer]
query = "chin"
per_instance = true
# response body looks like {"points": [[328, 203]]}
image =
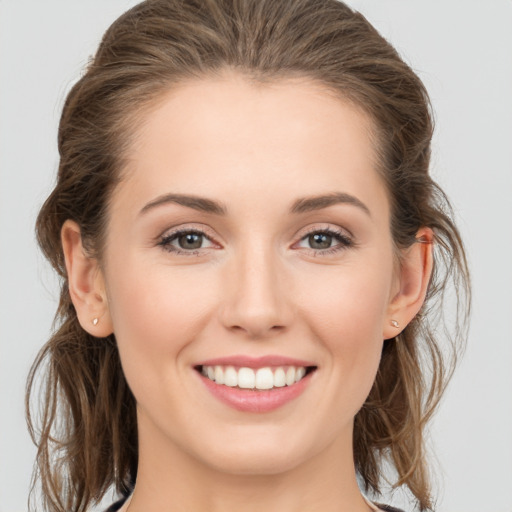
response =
{"points": [[257, 453], [255, 462]]}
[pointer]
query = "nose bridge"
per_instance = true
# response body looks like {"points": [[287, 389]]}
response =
{"points": [[257, 301]]}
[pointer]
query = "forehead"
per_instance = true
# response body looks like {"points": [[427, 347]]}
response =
{"points": [[226, 135], [284, 108]]}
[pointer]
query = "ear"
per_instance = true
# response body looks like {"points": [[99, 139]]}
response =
{"points": [[415, 269], [86, 283]]}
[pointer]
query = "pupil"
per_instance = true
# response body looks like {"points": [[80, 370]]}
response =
{"points": [[320, 241], [190, 241]]}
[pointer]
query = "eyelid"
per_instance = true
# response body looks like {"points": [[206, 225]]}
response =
{"points": [[326, 227], [198, 228], [171, 234], [343, 236]]}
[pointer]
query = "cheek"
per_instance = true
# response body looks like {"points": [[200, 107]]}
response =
{"points": [[148, 297], [351, 307], [348, 318], [156, 313]]}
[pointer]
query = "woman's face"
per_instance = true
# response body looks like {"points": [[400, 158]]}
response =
{"points": [[250, 233]]}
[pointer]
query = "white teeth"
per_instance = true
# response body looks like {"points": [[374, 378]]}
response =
{"points": [[230, 377], [264, 378], [290, 376], [300, 373], [279, 378], [248, 378], [219, 375]]}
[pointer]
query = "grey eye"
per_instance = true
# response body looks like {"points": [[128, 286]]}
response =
{"points": [[185, 241], [190, 241], [320, 241]]}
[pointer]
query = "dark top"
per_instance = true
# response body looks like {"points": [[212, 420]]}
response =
{"points": [[118, 504]]}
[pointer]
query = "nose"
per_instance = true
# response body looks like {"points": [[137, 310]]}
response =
{"points": [[256, 298]]}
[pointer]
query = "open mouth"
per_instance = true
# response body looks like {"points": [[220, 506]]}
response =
{"points": [[262, 379]]}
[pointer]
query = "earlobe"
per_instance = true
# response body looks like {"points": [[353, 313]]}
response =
{"points": [[86, 283], [414, 277]]}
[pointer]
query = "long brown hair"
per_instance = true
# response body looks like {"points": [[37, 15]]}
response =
{"points": [[87, 438]]}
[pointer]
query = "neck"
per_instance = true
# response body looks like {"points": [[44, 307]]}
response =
{"points": [[171, 480]]}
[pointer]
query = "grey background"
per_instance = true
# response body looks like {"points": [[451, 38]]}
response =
{"points": [[461, 49]]}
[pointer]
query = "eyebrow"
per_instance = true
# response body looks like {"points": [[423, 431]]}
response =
{"points": [[308, 204], [197, 203], [302, 205]]}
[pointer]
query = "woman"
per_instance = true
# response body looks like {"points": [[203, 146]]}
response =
{"points": [[252, 257]]}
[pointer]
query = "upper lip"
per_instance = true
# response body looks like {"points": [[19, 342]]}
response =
{"points": [[255, 362]]}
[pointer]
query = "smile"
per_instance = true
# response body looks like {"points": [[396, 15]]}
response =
{"points": [[250, 378], [255, 385]]}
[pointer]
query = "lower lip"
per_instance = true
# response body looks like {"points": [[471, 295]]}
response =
{"points": [[248, 400]]}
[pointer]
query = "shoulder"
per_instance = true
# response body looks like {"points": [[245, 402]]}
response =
{"points": [[381, 508], [387, 508], [117, 505]]}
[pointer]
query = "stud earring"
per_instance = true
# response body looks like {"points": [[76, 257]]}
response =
{"points": [[95, 321], [394, 323]]}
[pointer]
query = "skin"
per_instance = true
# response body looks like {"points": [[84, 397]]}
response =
{"points": [[257, 286]]}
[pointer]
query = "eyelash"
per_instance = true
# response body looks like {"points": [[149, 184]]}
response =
{"points": [[345, 241]]}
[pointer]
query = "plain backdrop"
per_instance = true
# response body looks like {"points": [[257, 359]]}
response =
{"points": [[462, 49]]}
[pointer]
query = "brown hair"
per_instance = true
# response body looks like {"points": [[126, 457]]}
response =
{"points": [[88, 436]]}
